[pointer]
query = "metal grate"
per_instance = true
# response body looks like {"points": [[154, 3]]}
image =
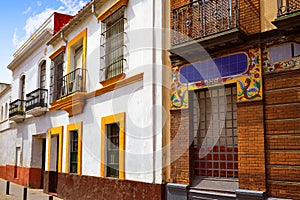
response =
{"points": [[287, 7], [215, 132], [112, 44], [201, 18]]}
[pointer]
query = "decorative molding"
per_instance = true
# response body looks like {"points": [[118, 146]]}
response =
{"points": [[116, 85], [113, 8], [113, 79], [57, 52], [73, 104]]}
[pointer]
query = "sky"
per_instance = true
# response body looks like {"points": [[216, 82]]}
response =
{"points": [[19, 20]]}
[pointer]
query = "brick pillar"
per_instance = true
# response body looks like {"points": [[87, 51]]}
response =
{"points": [[251, 146], [181, 150]]}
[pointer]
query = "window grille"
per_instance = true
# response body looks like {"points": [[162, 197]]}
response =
{"points": [[112, 44], [215, 132]]}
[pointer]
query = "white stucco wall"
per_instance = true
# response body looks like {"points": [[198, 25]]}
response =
{"points": [[143, 135]]}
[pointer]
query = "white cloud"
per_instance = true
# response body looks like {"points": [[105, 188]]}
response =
{"points": [[16, 41], [27, 11], [39, 3], [70, 7]]}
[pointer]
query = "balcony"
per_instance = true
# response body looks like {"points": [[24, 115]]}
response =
{"points": [[36, 102], [16, 110], [210, 23], [288, 16], [67, 93]]}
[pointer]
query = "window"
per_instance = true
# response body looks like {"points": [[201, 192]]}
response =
{"points": [[215, 132], [284, 52], [73, 151], [112, 168], [43, 75], [112, 44], [2, 114], [56, 75], [78, 57], [74, 148], [113, 146], [6, 111], [22, 92]]}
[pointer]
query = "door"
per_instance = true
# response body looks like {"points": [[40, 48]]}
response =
{"points": [[53, 173], [43, 161]]}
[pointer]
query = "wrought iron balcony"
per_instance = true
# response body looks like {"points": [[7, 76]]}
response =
{"points": [[202, 18], [16, 108], [37, 98], [288, 16], [286, 7], [67, 85]]}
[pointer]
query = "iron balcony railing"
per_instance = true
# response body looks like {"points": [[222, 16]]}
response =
{"points": [[16, 108], [286, 7], [202, 18], [37, 98], [67, 85]]}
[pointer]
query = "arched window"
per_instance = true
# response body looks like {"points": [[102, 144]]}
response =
{"points": [[6, 111], [43, 75], [22, 92], [2, 114]]}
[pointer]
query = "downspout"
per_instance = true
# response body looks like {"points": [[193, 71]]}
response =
{"points": [[63, 37], [154, 92]]}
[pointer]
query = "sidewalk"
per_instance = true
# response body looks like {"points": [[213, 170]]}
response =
{"points": [[16, 192]]}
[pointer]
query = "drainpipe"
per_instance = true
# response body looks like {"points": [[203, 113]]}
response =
{"points": [[94, 12], [63, 37]]}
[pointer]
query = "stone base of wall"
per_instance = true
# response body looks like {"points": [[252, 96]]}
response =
{"points": [[73, 187], [25, 176]]}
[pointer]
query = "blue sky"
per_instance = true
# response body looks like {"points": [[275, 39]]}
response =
{"points": [[19, 19]]}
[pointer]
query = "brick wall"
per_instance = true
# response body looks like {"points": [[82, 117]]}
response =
{"points": [[282, 103], [250, 16], [181, 150], [251, 146]]}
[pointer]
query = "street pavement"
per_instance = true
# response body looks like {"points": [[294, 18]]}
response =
{"points": [[16, 192]]}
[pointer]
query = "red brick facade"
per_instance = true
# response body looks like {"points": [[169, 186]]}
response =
{"points": [[181, 154], [282, 102], [251, 146]]}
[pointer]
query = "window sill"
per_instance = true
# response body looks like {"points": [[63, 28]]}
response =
{"points": [[113, 80]]}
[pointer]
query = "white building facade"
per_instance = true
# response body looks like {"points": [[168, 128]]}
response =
{"points": [[87, 105]]}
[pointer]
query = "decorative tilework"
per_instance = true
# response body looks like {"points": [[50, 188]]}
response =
{"points": [[243, 68], [268, 67]]}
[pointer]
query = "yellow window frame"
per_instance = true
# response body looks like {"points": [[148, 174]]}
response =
{"points": [[81, 36], [74, 127], [116, 118], [51, 132]]}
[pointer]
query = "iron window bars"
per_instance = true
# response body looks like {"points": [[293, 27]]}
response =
{"points": [[202, 18], [112, 44]]}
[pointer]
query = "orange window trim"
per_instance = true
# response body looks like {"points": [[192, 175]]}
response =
{"points": [[72, 127], [113, 8], [57, 52], [116, 118]]}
